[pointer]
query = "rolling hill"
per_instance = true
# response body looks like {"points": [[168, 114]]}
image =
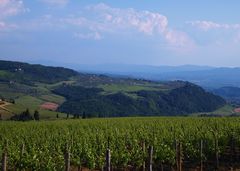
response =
{"points": [[183, 100], [53, 90], [222, 81]]}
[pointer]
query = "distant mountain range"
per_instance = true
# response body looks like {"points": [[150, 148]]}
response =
{"points": [[128, 69], [205, 76]]}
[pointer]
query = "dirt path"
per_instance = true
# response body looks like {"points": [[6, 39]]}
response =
{"points": [[2, 106]]}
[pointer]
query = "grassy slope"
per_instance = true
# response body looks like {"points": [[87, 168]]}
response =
{"points": [[130, 89], [113, 88], [5, 74], [31, 86], [32, 101], [225, 110], [7, 91], [30, 97]]}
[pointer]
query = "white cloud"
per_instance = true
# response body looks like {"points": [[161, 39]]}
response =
{"points": [[98, 20], [104, 18], [10, 8], [144, 21], [218, 34], [209, 25], [178, 38], [55, 2]]}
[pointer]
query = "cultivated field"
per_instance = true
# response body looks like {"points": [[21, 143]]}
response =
{"points": [[171, 142]]}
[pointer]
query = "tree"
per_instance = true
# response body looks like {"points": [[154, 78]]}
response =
{"points": [[84, 115], [12, 101], [36, 115], [76, 116], [24, 116]]}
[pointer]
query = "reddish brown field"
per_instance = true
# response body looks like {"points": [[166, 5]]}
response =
{"points": [[237, 110], [49, 106]]}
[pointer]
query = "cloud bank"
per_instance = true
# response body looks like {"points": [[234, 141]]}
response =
{"points": [[106, 19], [96, 22]]}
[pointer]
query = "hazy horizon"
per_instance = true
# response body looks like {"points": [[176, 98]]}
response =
{"points": [[157, 33], [76, 66]]}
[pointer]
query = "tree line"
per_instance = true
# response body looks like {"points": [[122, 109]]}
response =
{"points": [[26, 116]]}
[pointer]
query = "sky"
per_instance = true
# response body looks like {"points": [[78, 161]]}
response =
{"points": [[141, 32]]}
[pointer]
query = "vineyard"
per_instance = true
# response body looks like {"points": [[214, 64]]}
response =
{"points": [[169, 143]]}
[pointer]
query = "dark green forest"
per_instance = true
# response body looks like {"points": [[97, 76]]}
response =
{"points": [[92, 103]]}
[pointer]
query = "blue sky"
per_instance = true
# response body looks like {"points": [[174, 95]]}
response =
{"points": [[140, 32]]}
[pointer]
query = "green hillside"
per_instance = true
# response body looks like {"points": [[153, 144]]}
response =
{"points": [[35, 87], [179, 101], [27, 74], [30, 86]]}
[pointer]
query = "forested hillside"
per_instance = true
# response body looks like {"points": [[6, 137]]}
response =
{"points": [[55, 89], [26, 73], [92, 103]]}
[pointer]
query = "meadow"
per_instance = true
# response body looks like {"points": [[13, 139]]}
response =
{"points": [[186, 142]]}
